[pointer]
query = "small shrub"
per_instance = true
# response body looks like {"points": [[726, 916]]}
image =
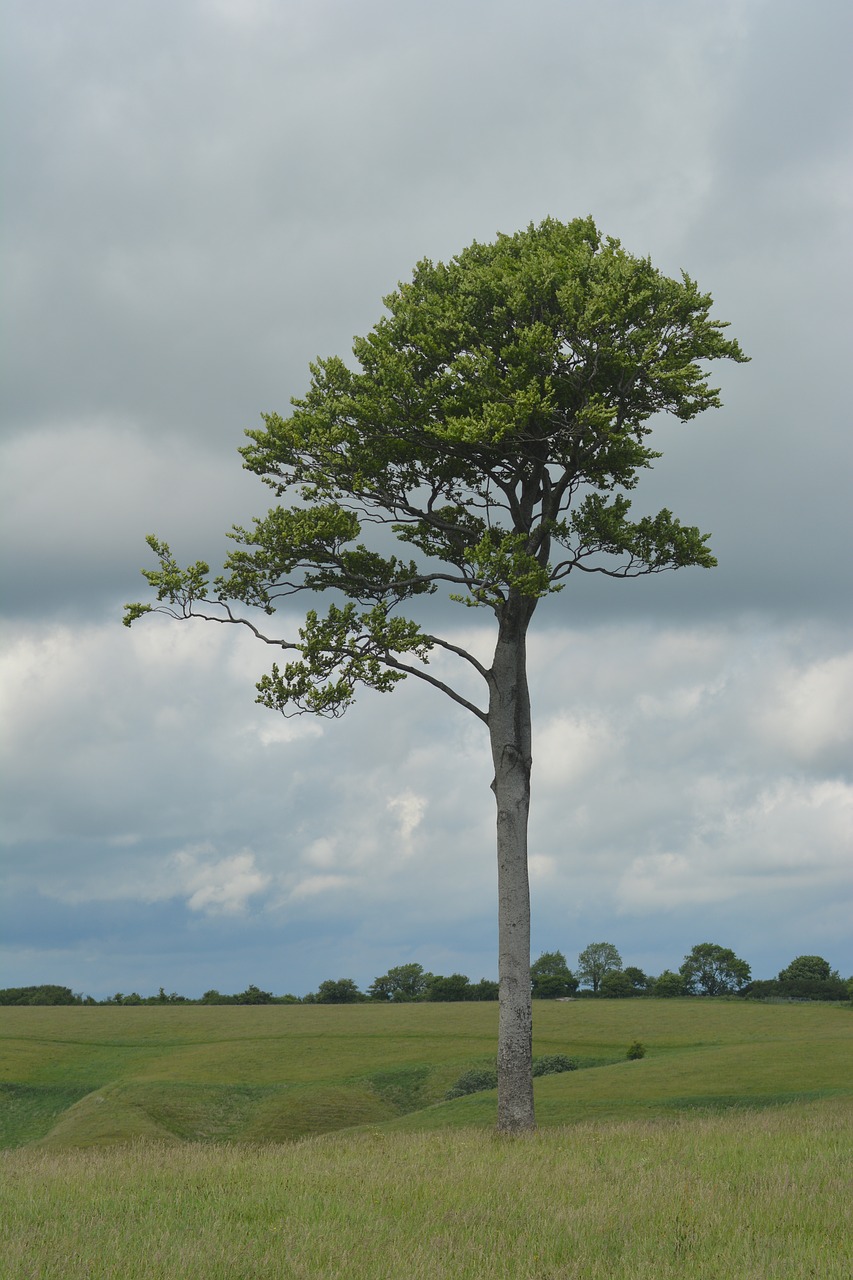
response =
{"points": [[480, 1078], [635, 1051], [552, 1064], [473, 1081]]}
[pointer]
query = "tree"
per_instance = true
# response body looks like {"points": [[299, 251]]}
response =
{"points": [[712, 970], [616, 985], [668, 985], [807, 969], [404, 982], [342, 991], [42, 995], [253, 995], [811, 978], [639, 981], [551, 977], [454, 987], [595, 961], [495, 424], [485, 989]]}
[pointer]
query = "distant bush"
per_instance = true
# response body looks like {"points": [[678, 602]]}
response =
{"points": [[552, 1064], [616, 985], [477, 1079], [807, 969], [485, 989], [797, 989], [342, 991], [828, 989], [668, 985], [474, 1081], [254, 995], [456, 986], [636, 1051], [42, 995]]}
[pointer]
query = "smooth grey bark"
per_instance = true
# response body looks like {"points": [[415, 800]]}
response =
{"points": [[510, 737]]}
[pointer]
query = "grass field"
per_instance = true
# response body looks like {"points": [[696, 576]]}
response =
{"points": [[155, 1143], [93, 1076]]}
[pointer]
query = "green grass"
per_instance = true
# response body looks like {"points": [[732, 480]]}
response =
{"points": [[91, 1077], [744, 1195], [300, 1143]]}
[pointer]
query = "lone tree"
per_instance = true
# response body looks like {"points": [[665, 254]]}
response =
{"points": [[404, 982], [495, 421], [712, 970], [595, 961]]}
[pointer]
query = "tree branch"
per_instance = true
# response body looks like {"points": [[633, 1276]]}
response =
{"points": [[462, 653], [439, 684]]}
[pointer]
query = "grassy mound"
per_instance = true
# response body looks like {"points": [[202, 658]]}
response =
{"points": [[96, 1077]]}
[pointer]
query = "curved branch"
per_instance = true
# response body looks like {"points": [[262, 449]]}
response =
{"points": [[438, 684], [388, 661], [461, 653], [626, 571], [230, 618]]}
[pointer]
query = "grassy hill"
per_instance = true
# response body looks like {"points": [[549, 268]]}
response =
{"points": [[91, 1077], [152, 1143]]}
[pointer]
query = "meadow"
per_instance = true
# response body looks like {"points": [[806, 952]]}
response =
{"points": [[310, 1141]]}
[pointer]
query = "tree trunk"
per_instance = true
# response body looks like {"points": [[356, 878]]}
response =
{"points": [[509, 732]]}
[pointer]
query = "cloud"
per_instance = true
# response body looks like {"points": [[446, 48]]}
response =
{"points": [[205, 197], [792, 839], [810, 713], [312, 886], [219, 886], [409, 810], [207, 883], [78, 498]]}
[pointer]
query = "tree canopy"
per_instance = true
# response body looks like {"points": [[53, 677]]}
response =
{"points": [[338, 991], [807, 969], [551, 977], [494, 423], [402, 982], [595, 961], [712, 970], [498, 414]]}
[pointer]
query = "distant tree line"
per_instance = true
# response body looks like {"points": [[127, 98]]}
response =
{"points": [[64, 995], [707, 970], [403, 984]]}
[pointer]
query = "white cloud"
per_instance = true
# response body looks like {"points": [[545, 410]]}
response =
{"points": [[409, 810], [790, 836], [811, 710], [219, 886], [210, 884], [314, 886], [321, 853], [541, 867], [570, 747]]}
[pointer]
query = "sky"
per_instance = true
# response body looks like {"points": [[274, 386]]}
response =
{"points": [[202, 196]]}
